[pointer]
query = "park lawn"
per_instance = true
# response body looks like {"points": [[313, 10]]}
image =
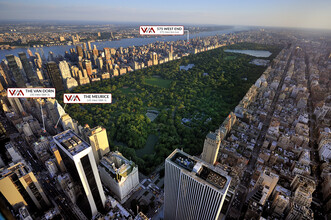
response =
{"points": [[159, 82], [149, 147], [229, 57], [125, 90]]}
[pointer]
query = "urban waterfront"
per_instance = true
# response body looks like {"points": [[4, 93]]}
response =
{"points": [[60, 50]]}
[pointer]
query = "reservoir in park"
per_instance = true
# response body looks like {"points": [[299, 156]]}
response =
{"points": [[254, 53]]}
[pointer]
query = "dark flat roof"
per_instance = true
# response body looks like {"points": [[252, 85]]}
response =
{"points": [[200, 168]]}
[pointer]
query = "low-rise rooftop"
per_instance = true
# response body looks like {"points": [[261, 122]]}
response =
{"points": [[116, 165]]}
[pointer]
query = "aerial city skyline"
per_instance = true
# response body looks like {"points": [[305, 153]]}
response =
{"points": [[210, 111], [293, 13]]}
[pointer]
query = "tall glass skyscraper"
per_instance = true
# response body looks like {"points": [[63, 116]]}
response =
{"points": [[55, 76], [193, 189], [16, 68], [79, 161]]}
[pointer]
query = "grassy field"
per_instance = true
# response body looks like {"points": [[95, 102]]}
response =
{"points": [[149, 147], [159, 82], [151, 116], [125, 90], [229, 57]]}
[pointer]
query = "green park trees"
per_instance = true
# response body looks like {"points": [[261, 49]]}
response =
{"points": [[190, 102]]}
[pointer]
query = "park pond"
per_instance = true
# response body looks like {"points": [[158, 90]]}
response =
{"points": [[187, 67], [254, 53]]}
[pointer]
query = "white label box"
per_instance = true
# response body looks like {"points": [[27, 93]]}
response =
{"points": [[161, 30], [86, 98], [31, 92]]}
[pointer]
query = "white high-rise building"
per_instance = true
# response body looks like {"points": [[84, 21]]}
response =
{"points": [[64, 69], [79, 161], [67, 122], [59, 109], [193, 189]]}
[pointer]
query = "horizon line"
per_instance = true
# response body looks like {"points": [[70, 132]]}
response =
{"points": [[2, 22]]}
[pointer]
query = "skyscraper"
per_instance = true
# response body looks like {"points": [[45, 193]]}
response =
{"points": [[80, 51], [193, 189], [79, 161], [64, 69], [1, 86], [89, 45], [32, 78], [211, 147], [213, 140], [38, 61], [4, 76], [95, 50], [39, 75], [88, 67], [54, 75], [97, 137], [29, 52], [112, 51], [107, 53], [82, 77], [17, 70], [16, 105], [100, 63], [20, 187], [54, 111], [67, 122], [58, 158], [51, 56], [154, 59]]}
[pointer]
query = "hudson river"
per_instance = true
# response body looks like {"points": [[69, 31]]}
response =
{"points": [[60, 50]]}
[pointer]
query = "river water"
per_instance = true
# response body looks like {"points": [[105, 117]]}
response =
{"points": [[60, 50]]}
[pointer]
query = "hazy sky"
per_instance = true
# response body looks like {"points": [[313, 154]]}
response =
{"points": [[287, 13]]}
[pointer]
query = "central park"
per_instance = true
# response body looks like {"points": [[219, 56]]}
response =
{"points": [[172, 105]]}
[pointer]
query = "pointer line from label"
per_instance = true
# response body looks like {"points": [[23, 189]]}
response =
{"points": [[60, 116], [42, 116]]}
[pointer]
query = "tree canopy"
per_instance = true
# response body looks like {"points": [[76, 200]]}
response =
{"points": [[192, 103]]}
